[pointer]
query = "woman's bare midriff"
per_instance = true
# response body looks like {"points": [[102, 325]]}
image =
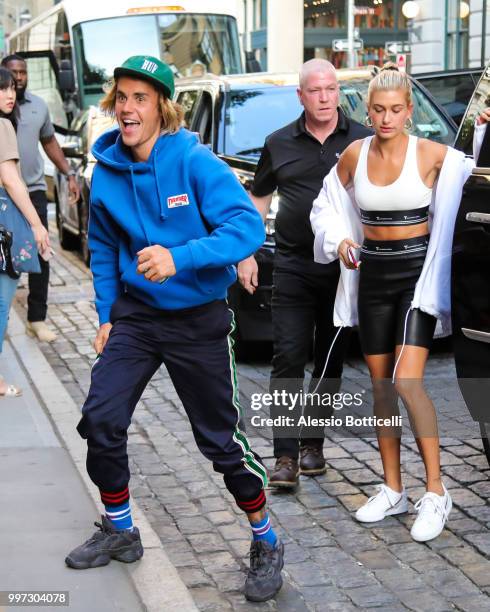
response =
{"points": [[390, 232]]}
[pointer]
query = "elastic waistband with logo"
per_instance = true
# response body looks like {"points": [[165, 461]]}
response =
{"points": [[395, 217], [395, 248]]}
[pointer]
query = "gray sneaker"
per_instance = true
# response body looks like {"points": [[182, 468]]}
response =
{"points": [[264, 578], [106, 544]]}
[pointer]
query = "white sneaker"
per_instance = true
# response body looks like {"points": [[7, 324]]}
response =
{"points": [[384, 503], [41, 331], [433, 511]]}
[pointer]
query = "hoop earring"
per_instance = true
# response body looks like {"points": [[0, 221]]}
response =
{"points": [[368, 121], [409, 123]]}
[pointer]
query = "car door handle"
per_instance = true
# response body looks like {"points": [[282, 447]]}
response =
{"points": [[477, 217], [475, 334]]}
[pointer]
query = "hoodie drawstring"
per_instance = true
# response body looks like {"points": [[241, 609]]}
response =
{"points": [[163, 216], [138, 205]]}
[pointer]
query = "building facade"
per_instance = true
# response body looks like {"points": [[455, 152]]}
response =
{"points": [[442, 34], [14, 13], [449, 34]]}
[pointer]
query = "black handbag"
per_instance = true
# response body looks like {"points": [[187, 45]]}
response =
{"points": [[6, 264]]}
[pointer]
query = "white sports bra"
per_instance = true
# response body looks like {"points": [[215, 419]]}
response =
{"points": [[404, 202]]}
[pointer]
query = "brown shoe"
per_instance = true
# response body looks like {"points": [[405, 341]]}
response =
{"points": [[285, 473], [312, 461]]}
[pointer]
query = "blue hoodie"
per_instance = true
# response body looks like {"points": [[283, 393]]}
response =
{"points": [[183, 198]]}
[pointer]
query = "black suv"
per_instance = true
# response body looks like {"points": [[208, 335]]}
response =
{"points": [[470, 272], [234, 114]]}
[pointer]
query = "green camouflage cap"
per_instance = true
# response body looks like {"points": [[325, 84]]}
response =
{"points": [[150, 69]]}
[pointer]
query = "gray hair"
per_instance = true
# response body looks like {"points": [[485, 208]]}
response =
{"points": [[314, 65]]}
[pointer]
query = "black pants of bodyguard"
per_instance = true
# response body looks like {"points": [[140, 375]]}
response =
{"points": [[302, 313], [195, 346], [37, 300]]}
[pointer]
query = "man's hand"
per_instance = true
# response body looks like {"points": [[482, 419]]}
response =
{"points": [[156, 263], [74, 190], [102, 337], [484, 117], [248, 274], [41, 237]]}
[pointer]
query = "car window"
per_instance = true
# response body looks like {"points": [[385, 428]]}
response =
{"points": [[187, 99], [252, 114], [202, 121], [480, 100], [42, 82], [428, 121], [352, 101], [452, 92]]}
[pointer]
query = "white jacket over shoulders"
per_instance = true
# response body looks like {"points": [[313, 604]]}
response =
{"points": [[335, 216]]}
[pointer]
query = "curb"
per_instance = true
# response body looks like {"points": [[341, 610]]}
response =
{"points": [[155, 579]]}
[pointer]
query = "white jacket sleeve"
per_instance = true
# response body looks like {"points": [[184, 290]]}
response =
{"points": [[433, 289], [328, 220], [478, 136]]}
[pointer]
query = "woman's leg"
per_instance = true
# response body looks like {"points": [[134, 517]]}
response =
{"points": [[421, 411], [386, 406], [377, 307], [7, 291]]}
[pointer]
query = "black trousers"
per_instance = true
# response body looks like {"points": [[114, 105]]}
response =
{"points": [[195, 346], [37, 300], [302, 312]]}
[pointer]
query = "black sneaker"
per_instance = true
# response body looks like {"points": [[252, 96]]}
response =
{"points": [[264, 578], [106, 544]]}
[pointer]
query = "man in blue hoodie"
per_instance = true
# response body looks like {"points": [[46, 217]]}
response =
{"points": [[167, 222]]}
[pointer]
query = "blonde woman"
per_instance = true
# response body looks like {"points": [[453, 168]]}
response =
{"points": [[11, 181], [382, 193]]}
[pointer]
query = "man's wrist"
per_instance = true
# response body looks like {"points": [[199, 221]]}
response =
{"points": [[71, 173]]}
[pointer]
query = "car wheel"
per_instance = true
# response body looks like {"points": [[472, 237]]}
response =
{"points": [[68, 241], [485, 436]]}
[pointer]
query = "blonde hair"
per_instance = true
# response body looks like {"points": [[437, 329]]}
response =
{"points": [[389, 78], [172, 114]]}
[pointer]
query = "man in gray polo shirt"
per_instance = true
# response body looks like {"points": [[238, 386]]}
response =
{"points": [[35, 126]]}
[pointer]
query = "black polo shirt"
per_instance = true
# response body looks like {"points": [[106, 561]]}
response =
{"points": [[295, 162]]}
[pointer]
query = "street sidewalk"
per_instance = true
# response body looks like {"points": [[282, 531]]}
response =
{"points": [[49, 505]]}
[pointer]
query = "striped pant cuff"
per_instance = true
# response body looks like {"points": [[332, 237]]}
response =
{"points": [[116, 498], [253, 505]]}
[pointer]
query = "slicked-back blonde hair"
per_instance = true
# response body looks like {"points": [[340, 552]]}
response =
{"points": [[172, 113], [389, 78]]}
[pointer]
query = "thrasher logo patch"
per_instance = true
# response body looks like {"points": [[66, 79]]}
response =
{"points": [[149, 66], [178, 200]]}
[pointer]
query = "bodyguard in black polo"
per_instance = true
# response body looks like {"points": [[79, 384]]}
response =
{"points": [[295, 160]]}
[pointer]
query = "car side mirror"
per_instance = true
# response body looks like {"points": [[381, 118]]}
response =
{"points": [[66, 77], [72, 149]]}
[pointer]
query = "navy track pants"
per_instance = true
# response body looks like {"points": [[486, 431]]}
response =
{"points": [[196, 348]]}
